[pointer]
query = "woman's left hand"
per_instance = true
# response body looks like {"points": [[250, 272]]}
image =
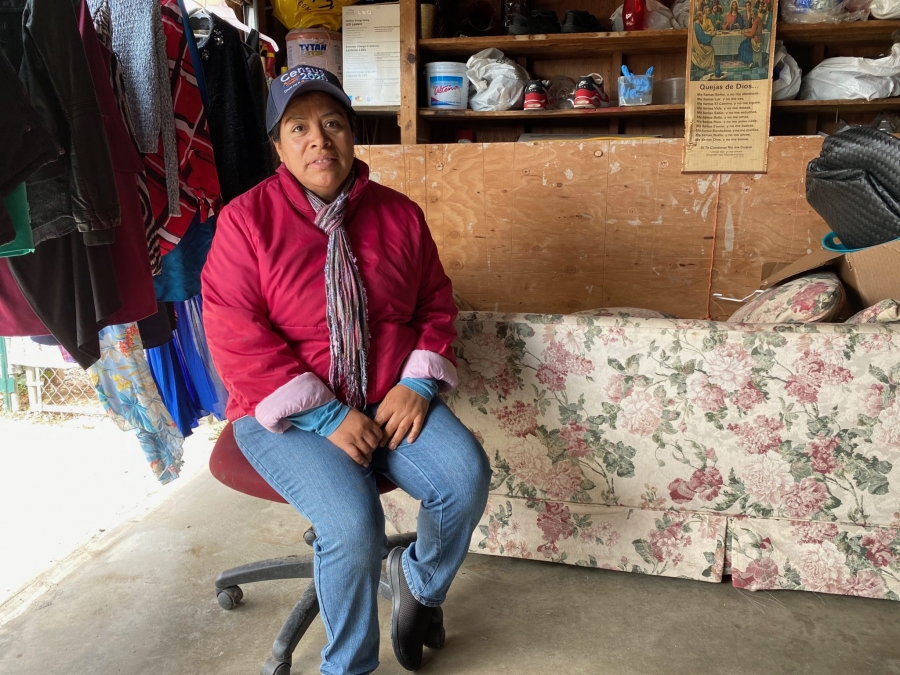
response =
{"points": [[401, 410]]}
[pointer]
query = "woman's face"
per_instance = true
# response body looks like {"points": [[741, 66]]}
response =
{"points": [[316, 143]]}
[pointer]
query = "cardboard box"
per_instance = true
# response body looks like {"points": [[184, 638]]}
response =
{"points": [[372, 54], [869, 276]]}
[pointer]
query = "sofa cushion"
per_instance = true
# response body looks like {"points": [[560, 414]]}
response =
{"points": [[886, 311], [625, 313], [814, 298]]}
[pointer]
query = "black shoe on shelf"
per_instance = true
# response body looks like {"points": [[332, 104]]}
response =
{"points": [[538, 23], [580, 22]]}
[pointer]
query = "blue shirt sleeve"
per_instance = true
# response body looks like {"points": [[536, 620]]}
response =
{"points": [[423, 386], [323, 420]]}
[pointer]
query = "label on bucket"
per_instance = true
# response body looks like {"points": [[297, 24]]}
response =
{"points": [[446, 91]]}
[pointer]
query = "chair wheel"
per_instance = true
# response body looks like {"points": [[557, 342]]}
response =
{"points": [[273, 667], [436, 635], [229, 597]]}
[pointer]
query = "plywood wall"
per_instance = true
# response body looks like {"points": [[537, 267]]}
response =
{"points": [[560, 227]]}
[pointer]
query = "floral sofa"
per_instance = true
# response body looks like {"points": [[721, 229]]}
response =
{"points": [[686, 448]]}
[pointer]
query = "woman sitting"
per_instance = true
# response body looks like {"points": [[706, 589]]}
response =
{"points": [[332, 376]]}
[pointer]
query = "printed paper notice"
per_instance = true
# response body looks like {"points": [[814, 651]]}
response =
{"points": [[372, 54], [729, 85]]}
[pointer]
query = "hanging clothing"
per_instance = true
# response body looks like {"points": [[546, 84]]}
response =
{"points": [[169, 371], [206, 384], [16, 206], [26, 144], [131, 258], [103, 27], [139, 41], [192, 312], [78, 191], [181, 268], [129, 395], [195, 54], [17, 319], [72, 289], [243, 158], [258, 82], [158, 329], [199, 181]]}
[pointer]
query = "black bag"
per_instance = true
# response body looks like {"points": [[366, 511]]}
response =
{"points": [[854, 185]]}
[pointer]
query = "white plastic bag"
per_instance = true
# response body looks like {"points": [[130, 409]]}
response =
{"points": [[499, 82], [824, 11], [682, 11], [657, 17], [885, 9], [787, 86], [853, 77]]}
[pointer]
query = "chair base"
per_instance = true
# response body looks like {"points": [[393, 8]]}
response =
{"points": [[229, 595]]}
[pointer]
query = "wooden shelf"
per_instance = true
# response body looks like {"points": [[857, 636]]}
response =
{"points": [[847, 33], [562, 45], [820, 107], [825, 107], [632, 111], [378, 111], [650, 41]]}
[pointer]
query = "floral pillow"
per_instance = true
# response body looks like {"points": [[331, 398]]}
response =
{"points": [[625, 313], [814, 298], [886, 311]]}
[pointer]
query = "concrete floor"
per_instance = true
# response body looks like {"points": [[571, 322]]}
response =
{"points": [[143, 604]]}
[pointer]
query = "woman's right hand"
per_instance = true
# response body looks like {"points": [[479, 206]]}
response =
{"points": [[358, 436]]}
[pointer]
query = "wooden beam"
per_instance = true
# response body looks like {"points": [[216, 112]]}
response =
{"points": [[409, 37]]}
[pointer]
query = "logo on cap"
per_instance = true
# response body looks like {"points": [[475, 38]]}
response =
{"points": [[297, 76]]}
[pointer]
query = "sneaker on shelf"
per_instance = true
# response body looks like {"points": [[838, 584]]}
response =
{"points": [[537, 23], [537, 95], [580, 22], [589, 92]]}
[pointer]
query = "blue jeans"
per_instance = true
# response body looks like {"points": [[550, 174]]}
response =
{"points": [[445, 468]]}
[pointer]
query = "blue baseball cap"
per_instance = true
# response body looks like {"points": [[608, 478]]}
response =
{"points": [[301, 80]]}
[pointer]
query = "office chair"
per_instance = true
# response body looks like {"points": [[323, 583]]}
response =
{"points": [[228, 464]]}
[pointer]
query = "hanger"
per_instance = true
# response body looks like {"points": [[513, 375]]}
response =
{"points": [[226, 14]]}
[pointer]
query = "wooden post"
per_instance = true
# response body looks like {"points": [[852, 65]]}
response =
{"points": [[408, 117]]}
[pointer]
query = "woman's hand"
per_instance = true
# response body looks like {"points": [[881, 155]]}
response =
{"points": [[401, 410], [358, 436]]}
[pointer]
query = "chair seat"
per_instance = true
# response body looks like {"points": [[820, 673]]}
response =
{"points": [[229, 466]]}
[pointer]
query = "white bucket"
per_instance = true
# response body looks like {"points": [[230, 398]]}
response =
{"points": [[448, 86]]}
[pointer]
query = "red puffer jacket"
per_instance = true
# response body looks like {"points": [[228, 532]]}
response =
{"points": [[264, 297]]}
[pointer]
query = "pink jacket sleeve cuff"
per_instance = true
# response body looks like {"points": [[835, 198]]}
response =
{"points": [[304, 392], [424, 364]]}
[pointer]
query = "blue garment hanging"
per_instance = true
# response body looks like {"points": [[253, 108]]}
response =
{"points": [[179, 397], [201, 381], [179, 279]]}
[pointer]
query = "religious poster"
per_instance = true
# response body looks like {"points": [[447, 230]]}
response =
{"points": [[728, 85]]}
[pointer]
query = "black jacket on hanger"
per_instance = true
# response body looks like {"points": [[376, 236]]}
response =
{"points": [[26, 145], [243, 158], [79, 190]]}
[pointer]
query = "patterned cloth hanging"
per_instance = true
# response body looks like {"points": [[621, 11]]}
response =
{"points": [[130, 397]]}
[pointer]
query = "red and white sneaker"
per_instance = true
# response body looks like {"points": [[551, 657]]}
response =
{"points": [[589, 92], [537, 96]]}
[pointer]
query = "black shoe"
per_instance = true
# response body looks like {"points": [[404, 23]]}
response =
{"points": [[580, 22], [537, 23], [410, 619]]}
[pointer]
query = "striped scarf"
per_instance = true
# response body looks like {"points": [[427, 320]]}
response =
{"points": [[345, 298]]}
